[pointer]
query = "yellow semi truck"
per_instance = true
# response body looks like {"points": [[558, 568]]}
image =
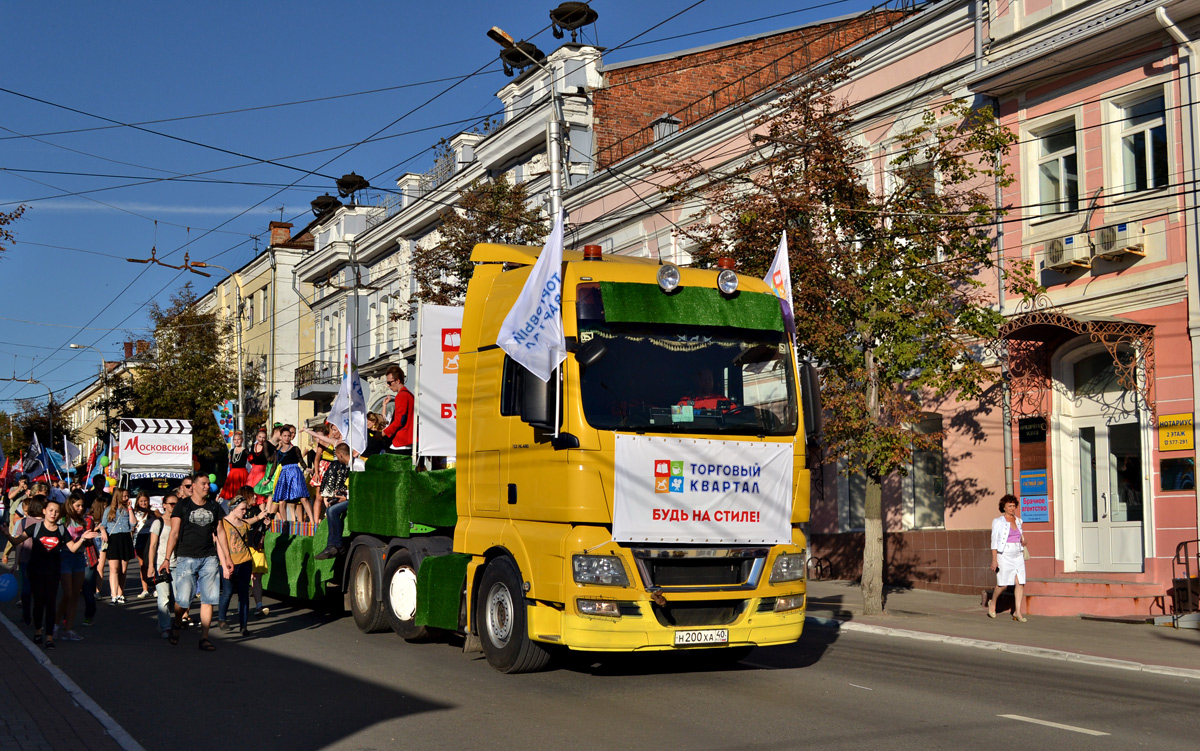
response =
{"points": [[649, 496]]}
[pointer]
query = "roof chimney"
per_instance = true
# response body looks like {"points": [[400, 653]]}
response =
{"points": [[128, 350], [281, 232]]}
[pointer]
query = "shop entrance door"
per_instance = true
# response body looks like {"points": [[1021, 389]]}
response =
{"points": [[1109, 496]]}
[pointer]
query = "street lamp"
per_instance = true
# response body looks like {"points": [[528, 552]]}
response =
{"points": [[514, 53], [104, 377], [241, 400]]}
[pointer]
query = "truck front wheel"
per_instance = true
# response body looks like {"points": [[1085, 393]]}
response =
{"points": [[367, 611], [501, 620], [400, 596]]}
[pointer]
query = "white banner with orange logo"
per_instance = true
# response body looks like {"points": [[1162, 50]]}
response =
{"points": [[687, 490], [439, 330]]}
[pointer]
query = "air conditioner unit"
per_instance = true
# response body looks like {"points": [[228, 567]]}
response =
{"points": [[1072, 251], [1116, 240]]}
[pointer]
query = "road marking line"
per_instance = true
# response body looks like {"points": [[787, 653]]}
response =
{"points": [[864, 688], [1049, 724]]}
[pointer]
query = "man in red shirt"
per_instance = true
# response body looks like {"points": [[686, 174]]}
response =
{"points": [[400, 429]]}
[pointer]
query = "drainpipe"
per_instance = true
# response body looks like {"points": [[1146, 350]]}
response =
{"points": [[271, 352], [978, 36], [1188, 51]]}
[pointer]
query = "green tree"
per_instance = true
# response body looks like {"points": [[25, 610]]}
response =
{"points": [[31, 416], [190, 368], [487, 211], [889, 286]]}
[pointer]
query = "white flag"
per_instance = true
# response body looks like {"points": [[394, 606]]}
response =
{"points": [[532, 332], [779, 279], [349, 410], [71, 452]]}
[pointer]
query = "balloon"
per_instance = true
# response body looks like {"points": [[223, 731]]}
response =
{"points": [[212, 478], [104, 461], [112, 482], [9, 589]]}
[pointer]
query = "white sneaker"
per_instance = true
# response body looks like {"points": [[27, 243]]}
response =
{"points": [[72, 636], [143, 595], [114, 599]]}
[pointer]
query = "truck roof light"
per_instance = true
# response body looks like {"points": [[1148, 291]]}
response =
{"points": [[727, 281], [725, 262], [668, 277], [593, 253]]}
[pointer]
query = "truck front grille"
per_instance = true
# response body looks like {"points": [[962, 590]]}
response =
{"points": [[713, 569], [699, 613]]}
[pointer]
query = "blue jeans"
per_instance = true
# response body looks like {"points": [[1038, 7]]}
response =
{"points": [[239, 583], [197, 574], [335, 515]]}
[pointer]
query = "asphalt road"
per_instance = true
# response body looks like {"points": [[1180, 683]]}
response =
{"points": [[303, 680]]}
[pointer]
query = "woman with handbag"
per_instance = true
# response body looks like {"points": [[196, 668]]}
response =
{"points": [[1008, 556], [116, 527], [236, 526]]}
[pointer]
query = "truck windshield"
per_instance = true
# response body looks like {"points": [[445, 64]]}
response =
{"points": [[686, 379]]}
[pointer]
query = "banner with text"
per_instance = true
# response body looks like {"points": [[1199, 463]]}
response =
{"points": [[440, 331], [686, 490], [155, 450]]}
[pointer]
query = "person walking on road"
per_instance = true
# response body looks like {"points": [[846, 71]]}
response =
{"points": [[49, 539], [73, 567], [116, 527], [1008, 556], [236, 529], [143, 515], [160, 529], [201, 555], [35, 506]]}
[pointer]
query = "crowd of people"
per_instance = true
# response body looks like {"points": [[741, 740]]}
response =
{"points": [[187, 545]]}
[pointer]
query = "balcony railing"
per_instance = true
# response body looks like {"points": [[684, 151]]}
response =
{"points": [[318, 373]]}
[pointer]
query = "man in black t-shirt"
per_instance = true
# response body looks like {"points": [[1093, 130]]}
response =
{"points": [[200, 555]]}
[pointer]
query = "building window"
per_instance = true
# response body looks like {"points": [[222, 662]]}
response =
{"points": [[928, 477], [1144, 144], [1058, 171], [266, 293], [249, 303], [664, 126], [857, 502]]}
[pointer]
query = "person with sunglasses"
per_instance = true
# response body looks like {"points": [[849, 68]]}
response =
{"points": [[156, 552], [400, 429]]}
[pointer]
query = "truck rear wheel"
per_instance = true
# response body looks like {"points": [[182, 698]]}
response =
{"points": [[400, 596], [368, 612], [502, 623]]}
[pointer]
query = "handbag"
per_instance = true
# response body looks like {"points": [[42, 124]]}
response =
{"points": [[1025, 552]]}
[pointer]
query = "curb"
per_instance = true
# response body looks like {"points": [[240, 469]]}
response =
{"points": [[119, 734], [1042, 652]]}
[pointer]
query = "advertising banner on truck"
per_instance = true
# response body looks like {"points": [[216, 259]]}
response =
{"points": [[440, 331], [147, 443], [677, 490]]}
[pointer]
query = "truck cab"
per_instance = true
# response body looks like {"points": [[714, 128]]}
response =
{"points": [[647, 497]]}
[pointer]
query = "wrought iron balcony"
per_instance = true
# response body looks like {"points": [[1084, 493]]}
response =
{"points": [[316, 379]]}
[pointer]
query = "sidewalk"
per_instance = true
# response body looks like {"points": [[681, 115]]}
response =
{"points": [[37, 711], [923, 614]]}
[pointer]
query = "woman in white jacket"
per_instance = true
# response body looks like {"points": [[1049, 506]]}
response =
{"points": [[1008, 556]]}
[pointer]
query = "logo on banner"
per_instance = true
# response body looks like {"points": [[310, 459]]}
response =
{"points": [[668, 476], [451, 339]]}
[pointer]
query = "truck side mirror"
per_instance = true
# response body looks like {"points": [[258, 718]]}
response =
{"points": [[590, 352], [538, 407], [810, 398]]}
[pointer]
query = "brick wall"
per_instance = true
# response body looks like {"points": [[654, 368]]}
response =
{"points": [[944, 560], [692, 87]]}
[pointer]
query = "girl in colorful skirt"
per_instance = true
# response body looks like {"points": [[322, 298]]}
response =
{"points": [[290, 488], [262, 452], [238, 476]]}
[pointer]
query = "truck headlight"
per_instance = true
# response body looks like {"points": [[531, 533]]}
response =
{"points": [[599, 569], [789, 567]]}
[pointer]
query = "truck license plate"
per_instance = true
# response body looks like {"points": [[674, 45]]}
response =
{"points": [[707, 636]]}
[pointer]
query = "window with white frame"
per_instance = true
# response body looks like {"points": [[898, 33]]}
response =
{"points": [[1144, 163], [265, 308], [1058, 169], [249, 311]]}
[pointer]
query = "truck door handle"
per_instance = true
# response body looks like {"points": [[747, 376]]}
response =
{"points": [[512, 494], [1104, 498]]}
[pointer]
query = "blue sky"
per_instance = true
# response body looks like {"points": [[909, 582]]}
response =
{"points": [[66, 280]]}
